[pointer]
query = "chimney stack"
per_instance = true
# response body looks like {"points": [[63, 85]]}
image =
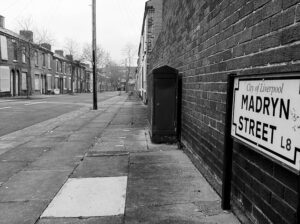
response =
{"points": [[69, 57], [2, 21], [27, 34], [46, 45], [59, 52]]}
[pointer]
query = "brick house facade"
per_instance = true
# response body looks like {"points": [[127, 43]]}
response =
{"points": [[48, 72], [150, 30], [206, 40]]}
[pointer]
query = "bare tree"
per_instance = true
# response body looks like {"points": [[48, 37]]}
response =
{"points": [[114, 74], [129, 51], [25, 23], [41, 35], [72, 49], [103, 58]]}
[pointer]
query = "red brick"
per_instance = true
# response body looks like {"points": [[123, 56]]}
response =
{"points": [[291, 35], [289, 3], [283, 208], [261, 29], [291, 197], [260, 3], [273, 7], [260, 217], [282, 20], [298, 13]]}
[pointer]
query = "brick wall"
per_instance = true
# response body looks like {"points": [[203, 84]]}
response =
{"points": [[206, 40]]}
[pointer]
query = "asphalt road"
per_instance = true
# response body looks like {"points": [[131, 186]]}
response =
{"points": [[16, 114]]}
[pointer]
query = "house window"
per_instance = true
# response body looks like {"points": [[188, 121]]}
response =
{"points": [[49, 82], [44, 59], [24, 55], [24, 81], [15, 51], [3, 46], [49, 61], [37, 82], [57, 66], [56, 83], [61, 66], [36, 58], [4, 79]]}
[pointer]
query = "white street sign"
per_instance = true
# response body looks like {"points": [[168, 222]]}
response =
{"points": [[266, 116]]}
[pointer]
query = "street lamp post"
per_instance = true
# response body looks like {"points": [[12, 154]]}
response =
{"points": [[95, 106]]}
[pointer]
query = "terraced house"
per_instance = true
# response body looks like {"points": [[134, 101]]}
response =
{"points": [[29, 68]]}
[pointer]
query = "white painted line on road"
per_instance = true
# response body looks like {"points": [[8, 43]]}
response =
{"points": [[28, 104], [4, 101], [2, 108], [89, 197]]}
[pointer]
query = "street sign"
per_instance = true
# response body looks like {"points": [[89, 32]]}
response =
{"points": [[266, 117]]}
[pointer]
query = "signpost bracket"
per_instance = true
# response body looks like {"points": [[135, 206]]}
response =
{"points": [[228, 144]]}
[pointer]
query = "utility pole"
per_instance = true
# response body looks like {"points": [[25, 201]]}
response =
{"points": [[95, 106]]}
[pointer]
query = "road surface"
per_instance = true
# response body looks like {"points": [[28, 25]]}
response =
{"points": [[16, 114]]}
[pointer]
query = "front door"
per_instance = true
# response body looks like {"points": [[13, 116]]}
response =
{"points": [[17, 84], [12, 83]]}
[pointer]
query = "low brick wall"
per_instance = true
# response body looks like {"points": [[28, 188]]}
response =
{"points": [[206, 40]]}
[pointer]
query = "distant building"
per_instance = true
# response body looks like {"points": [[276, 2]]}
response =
{"points": [[30, 68], [150, 30]]}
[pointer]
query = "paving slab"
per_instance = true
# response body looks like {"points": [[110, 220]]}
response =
{"points": [[82, 137], [69, 128], [8, 169], [32, 185], [135, 146], [174, 156], [115, 131], [97, 124], [56, 133], [123, 136], [161, 147], [89, 197], [7, 145], [104, 166], [161, 170], [168, 190], [24, 154], [41, 142], [82, 220], [189, 213], [27, 212], [108, 146], [66, 157]]}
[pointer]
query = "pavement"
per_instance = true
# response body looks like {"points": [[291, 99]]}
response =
{"points": [[88, 167]]}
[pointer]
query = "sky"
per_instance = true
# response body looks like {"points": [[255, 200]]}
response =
{"points": [[119, 22]]}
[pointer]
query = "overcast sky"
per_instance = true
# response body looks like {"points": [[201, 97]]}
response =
{"points": [[118, 21]]}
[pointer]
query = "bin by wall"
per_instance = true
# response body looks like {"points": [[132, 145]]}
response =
{"points": [[162, 104]]}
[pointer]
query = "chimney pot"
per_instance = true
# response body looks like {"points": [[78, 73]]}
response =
{"points": [[59, 52], [46, 45], [2, 21], [27, 34]]}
